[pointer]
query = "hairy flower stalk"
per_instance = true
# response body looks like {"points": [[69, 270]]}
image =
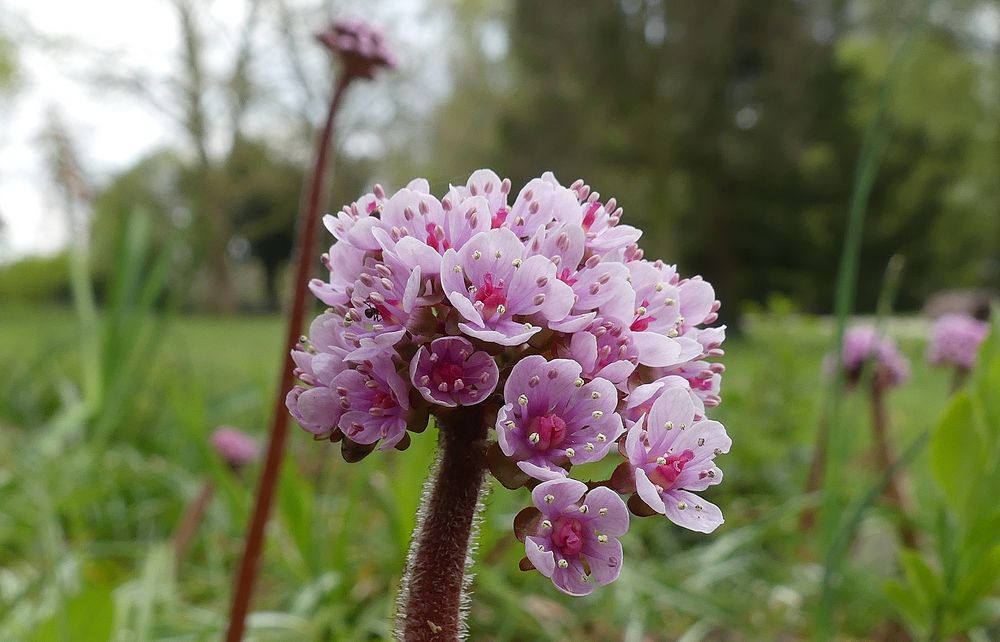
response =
{"points": [[433, 590], [362, 52], [535, 333]]}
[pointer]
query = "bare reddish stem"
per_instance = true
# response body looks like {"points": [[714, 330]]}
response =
{"points": [[958, 379], [816, 470], [883, 453], [308, 222], [434, 583], [192, 518]]}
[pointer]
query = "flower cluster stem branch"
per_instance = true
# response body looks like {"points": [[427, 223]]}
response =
{"points": [[958, 379], [883, 453], [817, 467], [308, 222], [435, 580], [191, 520]]}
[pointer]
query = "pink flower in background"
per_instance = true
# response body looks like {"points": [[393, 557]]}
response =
{"points": [[955, 340], [863, 345], [576, 539], [235, 446], [539, 310], [360, 46]]}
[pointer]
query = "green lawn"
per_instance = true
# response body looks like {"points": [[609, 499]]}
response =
{"points": [[91, 494]]}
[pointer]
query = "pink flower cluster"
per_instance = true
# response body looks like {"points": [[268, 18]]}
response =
{"points": [[955, 340], [541, 307], [863, 346], [235, 446], [361, 47]]}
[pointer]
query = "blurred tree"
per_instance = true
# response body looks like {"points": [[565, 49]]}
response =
{"points": [[729, 132], [700, 119], [153, 184], [262, 203], [8, 65]]}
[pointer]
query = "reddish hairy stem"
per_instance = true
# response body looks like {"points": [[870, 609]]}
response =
{"points": [[883, 453], [308, 222], [192, 518], [435, 580]]}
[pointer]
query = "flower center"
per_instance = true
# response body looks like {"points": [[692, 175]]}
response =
{"points": [[697, 383], [591, 215], [547, 431], [566, 536], [566, 277], [667, 473], [382, 399], [641, 324], [491, 295], [499, 218], [446, 373], [439, 244]]}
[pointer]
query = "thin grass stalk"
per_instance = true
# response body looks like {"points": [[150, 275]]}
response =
{"points": [[264, 498], [833, 445]]}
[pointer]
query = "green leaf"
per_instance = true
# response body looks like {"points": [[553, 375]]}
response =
{"points": [[907, 603], [89, 615], [295, 501], [987, 387], [925, 583], [955, 451], [980, 580]]}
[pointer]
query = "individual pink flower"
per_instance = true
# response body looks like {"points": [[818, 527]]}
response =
{"points": [[604, 234], [360, 46], [420, 216], [553, 418], [605, 349], [451, 372], [543, 201], [374, 401], [653, 315], [642, 397], [235, 446], [576, 539], [486, 184], [955, 340], [381, 301], [594, 282], [499, 291], [354, 223], [672, 454], [704, 379]]}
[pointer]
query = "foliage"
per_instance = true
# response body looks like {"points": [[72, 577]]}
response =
{"points": [[950, 587], [36, 279], [729, 133], [85, 518]]}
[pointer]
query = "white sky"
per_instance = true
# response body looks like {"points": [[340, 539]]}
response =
{"points": [[62, 44], [110, 131]]}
